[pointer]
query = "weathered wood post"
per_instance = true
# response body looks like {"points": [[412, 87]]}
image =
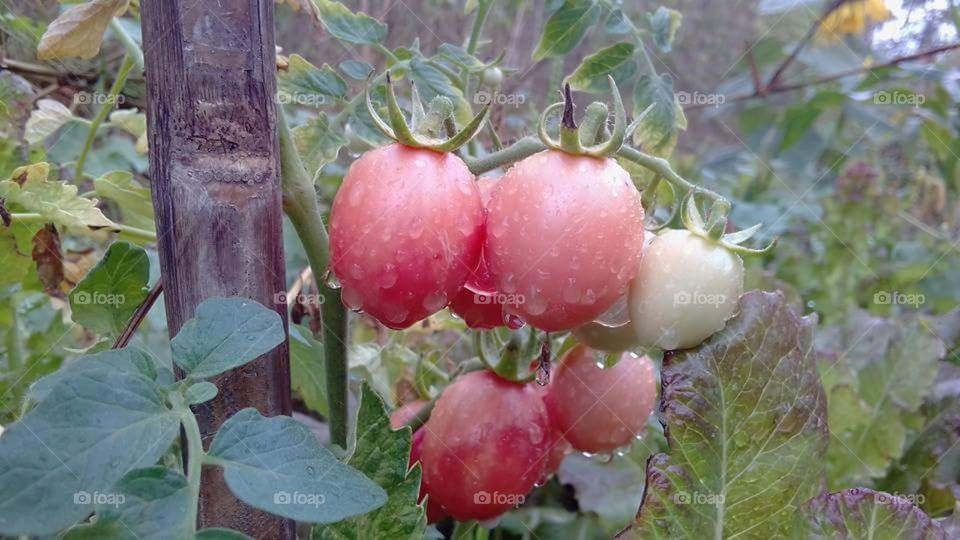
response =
{"points": [[214, 168]]}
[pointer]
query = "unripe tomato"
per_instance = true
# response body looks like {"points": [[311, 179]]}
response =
{"points": [[477, 302], [486, 445], [492, 76], [398, 418], [686, 289], [601, 409], [564, 235], [406, 228]]}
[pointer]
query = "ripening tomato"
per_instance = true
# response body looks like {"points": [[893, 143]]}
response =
{"points": [[486, 445], [477, 302], [686, 289], [398, 418], [406, 228], [601, 409], [564, 237], [559, 446]]}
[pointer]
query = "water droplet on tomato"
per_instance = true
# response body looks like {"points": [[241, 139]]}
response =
{"points": [[513, 321], [434, 301], [331, 280], [352, 298]]}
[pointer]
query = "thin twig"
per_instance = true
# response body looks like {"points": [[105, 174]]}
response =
{"points": [[775, 79], [124, 338]]}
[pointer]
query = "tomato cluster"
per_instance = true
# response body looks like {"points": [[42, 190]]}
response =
{"points": [[489, 441]]}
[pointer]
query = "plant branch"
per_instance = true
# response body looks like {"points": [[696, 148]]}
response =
{"points": [[124, 338], [128, 62], [194, 458], [133, 49], [300, 204], [778, 73], [525, 147]]}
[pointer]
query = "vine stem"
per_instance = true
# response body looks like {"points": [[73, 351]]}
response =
{"points": [[126, 231], [300, 204], [118, 83], [194, 457]]}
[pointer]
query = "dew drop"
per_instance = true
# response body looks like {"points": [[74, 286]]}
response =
{"points": [[331, 279], [352, 298], [356, 271], [535, 305], [389, 277], [434, 301], [416, 228]]}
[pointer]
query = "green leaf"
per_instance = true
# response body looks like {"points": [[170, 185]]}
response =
{"points": [[431, 82], [566, 27], [146, 504], [317, 143], [200, 392], [136, 206], [307, 372], [127, 360], [382, 454], [615, 60], [134, 123], [356, 69], [659, 130], [58, 202], [865, 513], [745, 418], [108, 295], [225, 333], [89, 431], [78, 31], [460, 57], [876, 372], [216, 533], [49, 116], [618, 23], [345, 25], [664, 23], [276, 465], [302, 83]]}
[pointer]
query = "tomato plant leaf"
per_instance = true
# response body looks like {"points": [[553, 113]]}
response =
{"points": [[659, 130], [128, 360], [431, 82], [225, 333], [317, 143], [307, 372], [276, 465], [134, 200], [78, 31], [58, 202], [745, 418], [664, 23], [865, 513], [134, 123], [108, 295], [460, 57], [146, 504], [875, 372], [49, 116], [200, 392], [615, 60], [90, 429], [302, 83], [345, 25], [356, 69], [382, 454], [566, 27]]}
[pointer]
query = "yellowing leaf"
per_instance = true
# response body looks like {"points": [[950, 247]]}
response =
{"points": [[78, 32], [134, 123], [28, 190], [49, 116], [852, 18]]}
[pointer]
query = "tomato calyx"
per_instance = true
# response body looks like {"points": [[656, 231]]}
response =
{"points": [[431, 129], [586, 141], [713, 229], [508, 358]]}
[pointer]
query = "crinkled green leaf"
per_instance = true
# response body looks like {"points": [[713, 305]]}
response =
{"points": [[90, 430], [664, 23], [615, 61], [317, 143], [356, 69], [78, 31], [28, 190], [865, 513], [745, 418], [128, 360], [659, 130], [225, 333], [566, 27], [49, 116], [302, 83], [275, 464], [875, 372], [134, 200], [112, 290], [382, 454], [345, 25], [308, 374], [461, 57], [146, 504], [431, 82]]}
